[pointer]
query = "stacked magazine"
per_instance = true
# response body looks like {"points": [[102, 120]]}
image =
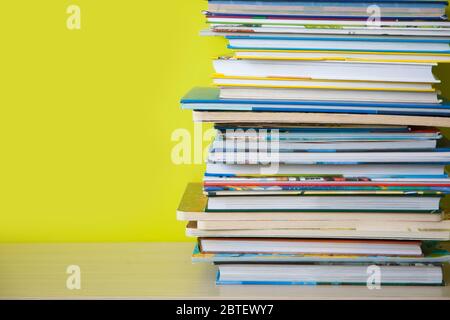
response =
{"points": [[328, 166]]}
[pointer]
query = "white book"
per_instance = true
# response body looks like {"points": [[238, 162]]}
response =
{"points": [[416, 234], [276, 191], [299, 203], [341, 55], [238, 145], [230, 30], [329, 70], [395, 226], [327, 157], [310, 246], [284, 133], [344, 37], [306, 22], [327, 274], [328, 95], [385, 217], [299, 83], [262, 43]]}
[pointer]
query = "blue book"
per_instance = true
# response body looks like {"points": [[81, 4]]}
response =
{"points": [[345, 44], [327, 274], [207, 99]]}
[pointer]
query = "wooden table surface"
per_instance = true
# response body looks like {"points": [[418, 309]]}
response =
{"points": [[152, 271]]}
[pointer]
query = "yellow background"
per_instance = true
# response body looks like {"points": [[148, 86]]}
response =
{"points": [[87, 116]]}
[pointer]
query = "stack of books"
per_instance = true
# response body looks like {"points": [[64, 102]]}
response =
{"points": [[327, 166]]}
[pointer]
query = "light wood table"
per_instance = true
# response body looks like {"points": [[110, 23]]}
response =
{"points": [[152, 271]]}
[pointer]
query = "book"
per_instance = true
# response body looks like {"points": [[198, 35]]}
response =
{"points": [[233, 145], [433, 253], [248, 92], [400, 226], [330, 8], [329, 70], [208, 99], [328, 185], [331, 22], [229, 29], [317, 117], [323, 203], [295, 274], [437, 156], [193, 208], [341, 233], [284, 142], [336, 43], [327, 166], [364, 56], [271, 82], [366, 170], [358, 20], [310, 246], [248, 138]]}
